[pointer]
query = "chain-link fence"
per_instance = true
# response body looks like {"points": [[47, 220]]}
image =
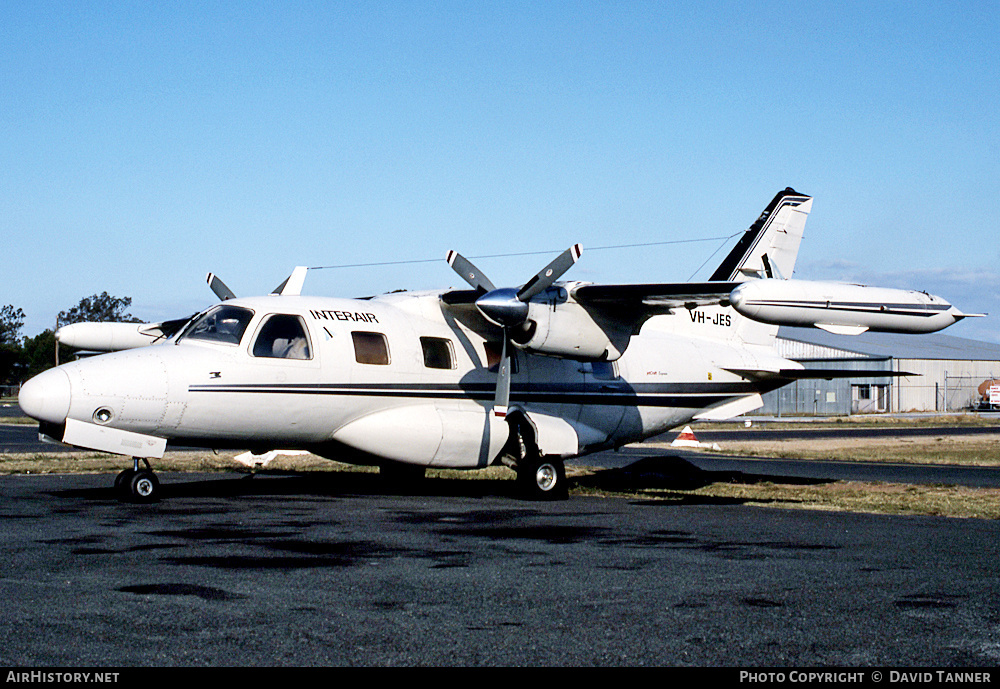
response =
{"points": [[959, 393], [952, 393]]}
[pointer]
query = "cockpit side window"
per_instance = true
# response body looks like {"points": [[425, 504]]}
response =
{"points": [[225, 324], [282, 336]]}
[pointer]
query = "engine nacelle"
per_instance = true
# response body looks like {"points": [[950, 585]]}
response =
{"points": [[563, 328]]}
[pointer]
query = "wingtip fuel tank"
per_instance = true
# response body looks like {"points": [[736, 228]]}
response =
{"points": [[108, 337], [843, 308]]}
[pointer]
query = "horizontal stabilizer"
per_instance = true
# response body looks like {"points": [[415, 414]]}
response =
{"points": [[831, 373], [790, 374], [728, 410]]}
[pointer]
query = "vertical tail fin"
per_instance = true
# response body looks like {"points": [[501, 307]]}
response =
{"points": [[769, 248]]}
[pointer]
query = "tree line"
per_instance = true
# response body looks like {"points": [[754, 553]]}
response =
{"points": [[22, 357]]}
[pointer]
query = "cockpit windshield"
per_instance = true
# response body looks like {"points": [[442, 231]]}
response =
{"points": [[225, 324]]}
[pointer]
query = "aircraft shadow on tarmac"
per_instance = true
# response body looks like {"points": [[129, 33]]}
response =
{"points": [[665, 472], [676, 474]]}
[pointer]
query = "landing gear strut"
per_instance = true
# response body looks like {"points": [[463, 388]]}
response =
{"points": [[539, 477], [138, 485]]}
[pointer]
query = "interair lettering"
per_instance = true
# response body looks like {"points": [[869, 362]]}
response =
{"points": [[355, 316]]}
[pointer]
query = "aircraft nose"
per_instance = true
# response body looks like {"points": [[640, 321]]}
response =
{"points": [[46, 397]]}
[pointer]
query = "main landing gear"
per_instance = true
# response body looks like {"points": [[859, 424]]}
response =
{"points": [[138, 485], [542, 478], [539, 477]]}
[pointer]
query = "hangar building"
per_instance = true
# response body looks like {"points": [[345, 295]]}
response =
{"points": [[948, 371]]}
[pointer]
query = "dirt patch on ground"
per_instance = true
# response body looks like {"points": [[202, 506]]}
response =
{"points": [[972, 450], [853, 496]]}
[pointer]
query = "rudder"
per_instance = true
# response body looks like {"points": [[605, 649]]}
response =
{"points": [[768, 249]]}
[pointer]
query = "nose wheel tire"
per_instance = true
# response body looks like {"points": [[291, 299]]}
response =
{"points": [[122, 481], [137, 485], [144, 486]]}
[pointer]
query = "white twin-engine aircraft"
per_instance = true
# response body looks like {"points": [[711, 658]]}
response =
{"points": [[527, 376]]}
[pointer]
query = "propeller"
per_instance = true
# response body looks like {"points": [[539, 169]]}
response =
{"points": [[469, 272], [292, 286], [219, 287], [507, 307]]}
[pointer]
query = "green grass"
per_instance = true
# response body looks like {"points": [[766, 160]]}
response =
{"points": [[849, 496]]}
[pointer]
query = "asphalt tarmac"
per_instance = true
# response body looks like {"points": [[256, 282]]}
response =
{"points": [[330, 570], [333, 570]]}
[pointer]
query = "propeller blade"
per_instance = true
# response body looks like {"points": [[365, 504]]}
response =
{"points": [[506, 307], [219, 287], [550, 273], [469, 272], [502, 399], [292, 285]]}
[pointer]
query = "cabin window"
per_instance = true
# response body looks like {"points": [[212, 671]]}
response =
{"points": [[438, 352], [283, 336], [224, 324], [370, 348]]}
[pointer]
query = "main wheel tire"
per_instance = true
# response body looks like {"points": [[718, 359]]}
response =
{"points": [[543, 479], [144, 487]]}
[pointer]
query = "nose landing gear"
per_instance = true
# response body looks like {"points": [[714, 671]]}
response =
{"points": [[137, 484]]}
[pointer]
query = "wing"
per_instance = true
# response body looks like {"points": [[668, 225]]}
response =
{"points": [[654, 298]]}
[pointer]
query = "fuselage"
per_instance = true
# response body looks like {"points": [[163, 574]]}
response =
{"points": [[398, 377]]}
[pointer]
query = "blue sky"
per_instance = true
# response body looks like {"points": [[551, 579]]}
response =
{"points": [[146, 144]]}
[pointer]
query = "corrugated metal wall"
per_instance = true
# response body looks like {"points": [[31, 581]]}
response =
{"points": [[942, 385], [825, 397]]}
